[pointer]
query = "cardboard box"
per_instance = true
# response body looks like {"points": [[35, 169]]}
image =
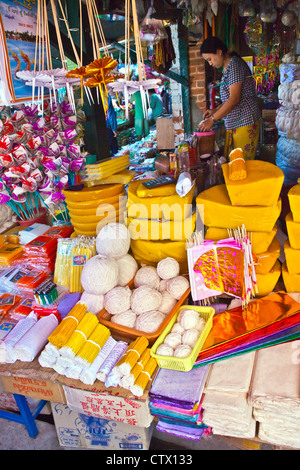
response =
{"points": [[40, 389], [116, 408], [80, 430]]}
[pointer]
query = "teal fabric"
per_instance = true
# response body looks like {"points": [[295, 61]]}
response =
{"points": [[156, 105], [141, 124], [138, 107]]}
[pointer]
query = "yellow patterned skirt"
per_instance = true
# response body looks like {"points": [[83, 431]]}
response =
{"points": [[245, 137]]}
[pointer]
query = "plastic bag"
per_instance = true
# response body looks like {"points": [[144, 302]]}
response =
{"points": [[151, 29]]}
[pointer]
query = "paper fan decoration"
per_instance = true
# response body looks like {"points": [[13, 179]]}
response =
{"points": [[105, 63], [80, 73], [225, 266], [128, 87]]}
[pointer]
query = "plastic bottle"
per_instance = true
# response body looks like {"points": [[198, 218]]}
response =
{"points": [[183, 156]]}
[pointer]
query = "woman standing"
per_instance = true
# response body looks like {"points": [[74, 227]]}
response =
{"points": [[240, 108]]}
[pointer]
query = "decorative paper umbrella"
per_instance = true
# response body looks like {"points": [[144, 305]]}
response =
{"points": [[128, 86]]}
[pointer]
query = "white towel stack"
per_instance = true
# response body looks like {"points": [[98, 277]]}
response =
{"points": [[225, 403], [275, 394]]}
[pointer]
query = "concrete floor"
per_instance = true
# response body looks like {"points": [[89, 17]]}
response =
{"points": [[14, 436]]}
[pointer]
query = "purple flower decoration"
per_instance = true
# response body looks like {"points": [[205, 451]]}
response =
{"points": [[57, 198]]}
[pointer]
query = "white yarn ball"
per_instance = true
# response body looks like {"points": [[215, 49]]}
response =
{"points": [[189, 319], [182, 351], [149, 322], [117, 300], [173, 340], [201, 324], [144, 299], [162, 285], [93, 302], [127, 269], [113, 240], [190, 337], [168, 268], [177, 328], [177, 286], [167, 302], [127, 318], [147, 276], [99, 275], [164, 350]]}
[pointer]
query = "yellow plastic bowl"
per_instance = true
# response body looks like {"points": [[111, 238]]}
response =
{"points": [[81, 215], [94, 193], [93, 219], [92, 232], [94, 204]]}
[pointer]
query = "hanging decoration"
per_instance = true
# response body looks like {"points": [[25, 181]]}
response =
{"points": [[246, 8], [127, 86], [44, 76], [100, 71], [288, 18], [267, 54], [268, 12]]}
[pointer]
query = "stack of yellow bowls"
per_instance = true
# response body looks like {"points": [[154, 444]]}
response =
{"points": [[92, 208]]}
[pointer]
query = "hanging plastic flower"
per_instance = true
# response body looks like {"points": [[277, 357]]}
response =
{"points": [[81, 73], [100, 80], [105, 63]]}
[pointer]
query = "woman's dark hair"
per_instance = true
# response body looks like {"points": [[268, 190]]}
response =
{"points": [[211, 46]]}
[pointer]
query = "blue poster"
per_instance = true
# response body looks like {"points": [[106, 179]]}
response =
{"points": [[19, 21]]}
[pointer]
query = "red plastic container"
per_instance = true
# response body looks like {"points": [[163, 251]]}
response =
{"points": [[39, 219]]}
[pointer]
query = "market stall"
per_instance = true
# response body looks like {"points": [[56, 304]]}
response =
{"points": [[156, 288]]}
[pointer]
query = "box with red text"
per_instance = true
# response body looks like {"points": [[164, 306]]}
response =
{"points": [[83, 431], [102, 405]]}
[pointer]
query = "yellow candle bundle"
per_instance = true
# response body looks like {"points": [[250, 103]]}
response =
{"points": [[143, 378], [133, 354], [237, 165], [79, 336], [116, 368], [64, 330], [80, 254], [93, 345], [128, 380], [63, 262]]}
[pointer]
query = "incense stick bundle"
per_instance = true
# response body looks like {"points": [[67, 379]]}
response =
{"points": [[133, 355], [237, 165], [92, 346], [64, 330], [79, 336], [45, 360], [128, 380], [73, 372], [28, 347], [142, 380], [8, 344], [112, 359], [52, 351], [116, 368], [63, 262], [80, 254], [88, 375]]}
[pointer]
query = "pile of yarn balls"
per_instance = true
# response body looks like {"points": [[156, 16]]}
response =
{"points": [[184, 334], [154, 293]]}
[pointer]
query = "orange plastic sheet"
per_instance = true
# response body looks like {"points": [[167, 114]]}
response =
{"points": [[261, 318]]}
